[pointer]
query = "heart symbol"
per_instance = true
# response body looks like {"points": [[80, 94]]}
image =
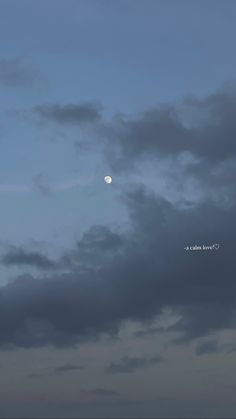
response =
{"points": [[216, 246]]}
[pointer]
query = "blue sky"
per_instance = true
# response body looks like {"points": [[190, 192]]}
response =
{"points": [[128, 56]]}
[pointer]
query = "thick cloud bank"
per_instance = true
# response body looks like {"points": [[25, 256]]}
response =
{"points": [[108, 278]]}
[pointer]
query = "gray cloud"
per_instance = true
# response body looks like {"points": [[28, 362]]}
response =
{"points": [[41, 182], [68, 368], [149, 331], [112, 277], [15, 73], [150, 271], [100, 238], [101, 392], [205, 128], [19, 257], [196, 136], [70, 113], [213, 346], [34, 376], [208, 347], [130, 364]]}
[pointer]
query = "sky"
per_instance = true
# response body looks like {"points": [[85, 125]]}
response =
{"points": [[117, 300]]}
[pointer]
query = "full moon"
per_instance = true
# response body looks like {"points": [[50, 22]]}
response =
{"points": [[108, 179]]}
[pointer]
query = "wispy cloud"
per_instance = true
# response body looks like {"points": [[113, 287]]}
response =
{"points": [[73, 183], [68, 368], [72, 113], [130, 364], [16, 73], [43, 185], [101, 392], [20, 257]]}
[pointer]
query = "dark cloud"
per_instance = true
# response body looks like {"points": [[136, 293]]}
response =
{"points": [[206, 128], [229, 348], [19, 257], [213, 346], [95, 249], [130, 364], [70, 113], [100, 238], [111, 277], [14, 73], [208, 347], [68, 368], [34, 376], [150, 271], [101, 392]]}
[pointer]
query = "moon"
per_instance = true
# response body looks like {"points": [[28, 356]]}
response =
{"points": [[108, 179]]}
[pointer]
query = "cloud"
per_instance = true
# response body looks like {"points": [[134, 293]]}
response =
{"points": [[150, 271], [208, 347], [147, 332], [130, 364], [100, 238], [19, 257], [214, 346], [47, 188], [15, 73], [186, 146], [189, 145], [101, 392], [205, 128], [72, 183], [44, 186], [70, 113], [41, 182], [147, 273], [112, 277], [68, 368], [34, 376]]}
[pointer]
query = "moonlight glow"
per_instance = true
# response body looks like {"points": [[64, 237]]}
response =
{"points": [[108, 179]]}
